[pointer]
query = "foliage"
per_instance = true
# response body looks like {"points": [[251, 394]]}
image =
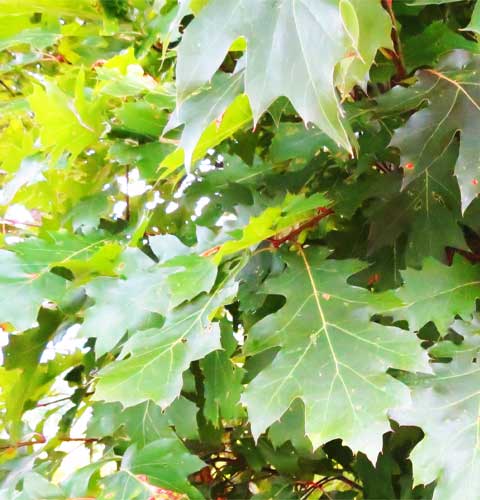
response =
{"points": [[239, 249]]}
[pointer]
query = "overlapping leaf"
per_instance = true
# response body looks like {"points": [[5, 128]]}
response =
{"points": [[282, 60], [331, 356], [446, 407], [223, 381], [451, 92], [274, 221], [438, 293], [106, 239], [427, 210], [164, 353], [237, 116], [166, 462], [147, 288], [23, 290], [66, 123], [202, 109]]}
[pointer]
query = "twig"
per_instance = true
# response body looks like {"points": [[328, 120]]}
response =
{"points": [[48, 403], [80, 439], [396, 55], [41, 439], [166, 140], [12, 222], [7, 88], [319, 485], [322, 213], [127, 195], [41, 405], [20, 444], [211, 251]]}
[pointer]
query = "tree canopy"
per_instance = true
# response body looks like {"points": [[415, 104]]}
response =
{"points": [[239, 249]]}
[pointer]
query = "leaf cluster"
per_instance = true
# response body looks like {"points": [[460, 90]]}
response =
{"points": [[239, 249]]}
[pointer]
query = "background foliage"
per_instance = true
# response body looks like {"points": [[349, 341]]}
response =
{"points": [[239, 249]]}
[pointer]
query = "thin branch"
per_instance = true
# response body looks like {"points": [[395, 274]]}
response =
{"points": [[396, 56], [12, 222], [48, 403], [322, 213], [79, 439], [211, 251], [276, 242], [127, 195], [7, 88], [319, 485], [40, 439], [166, 140], [41, 405]]}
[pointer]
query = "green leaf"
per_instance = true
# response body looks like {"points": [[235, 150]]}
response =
{"points": [[250, 327], [368, 27], [165, 462], [281, 43], [194, 275], [124, 486], [273, 221], [18, 30], [36, 487], [62, 117], [237, 116], [108, 418], [433, 42], [446, 407], [474, 24], [79, 483], [28, 174], [141, 118], [427, 210], [85, 215], [453, 106], [81, 8], [188, 334], [438, 293], [147, 288], [28, 378], [82, 255], [23, 291], [291, 427], [200, 110], [294, 140], [16, 145], [223, 381], [146, 157], [318, 329]]}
